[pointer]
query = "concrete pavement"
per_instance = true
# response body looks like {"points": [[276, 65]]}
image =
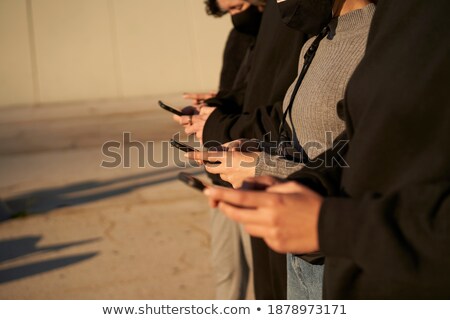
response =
{"points": [[93, 233]]}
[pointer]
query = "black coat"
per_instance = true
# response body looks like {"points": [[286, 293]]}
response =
{"points": [[271, 68], [385, 227], [234, 54]]}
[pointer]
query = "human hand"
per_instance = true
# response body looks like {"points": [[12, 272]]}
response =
{"points": [[232, 166], [194, 124], [286, 215]]}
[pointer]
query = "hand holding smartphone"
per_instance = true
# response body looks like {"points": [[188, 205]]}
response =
{"points": [[186, 148], [196, 184]]}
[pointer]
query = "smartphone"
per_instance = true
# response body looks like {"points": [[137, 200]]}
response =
{"points": [[192, 181], [170, 109], [182, 146], [185, 148]]}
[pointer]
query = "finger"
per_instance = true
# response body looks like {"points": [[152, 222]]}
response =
{"points": [[243, 198], [197, 95], [241, 215], [237, 184], [233, 144], [219, 148], [232, 159], [185, 120], [224, 177], [192, 155], [214, 168], [213, 203], [192, 129], [189, 130], [190, 95], [176, 118], [205, 110], [248, 158], [206, 156], [287, 187]]}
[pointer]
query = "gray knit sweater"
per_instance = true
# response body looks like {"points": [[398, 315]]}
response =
{"points": [[315, 123]]}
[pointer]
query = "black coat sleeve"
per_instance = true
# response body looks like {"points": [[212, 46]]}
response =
{"points": [[224, 125], [404, 235]]}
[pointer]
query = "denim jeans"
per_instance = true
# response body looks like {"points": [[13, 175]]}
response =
{"points": [[305, 280]]}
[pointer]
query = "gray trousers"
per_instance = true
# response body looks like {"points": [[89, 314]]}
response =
{"points": [[231, 258]]}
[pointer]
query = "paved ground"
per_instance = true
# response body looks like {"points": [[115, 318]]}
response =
{"points": [[90, 232]]}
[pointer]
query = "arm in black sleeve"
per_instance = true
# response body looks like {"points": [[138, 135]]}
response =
{"points": [[404, 235], [232, 100], [224, 126]]}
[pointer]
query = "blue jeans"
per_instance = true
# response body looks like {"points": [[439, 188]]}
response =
{"points": [[305, 280]]}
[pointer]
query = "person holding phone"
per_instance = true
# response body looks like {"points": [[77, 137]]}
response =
{"points": [[246, 18], [230, 260]]}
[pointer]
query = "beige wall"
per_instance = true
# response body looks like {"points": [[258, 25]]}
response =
{"points": [[71, 50]]}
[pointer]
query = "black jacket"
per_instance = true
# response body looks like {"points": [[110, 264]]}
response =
{"points": [[385, 229], [274, 65], [236, 49]]}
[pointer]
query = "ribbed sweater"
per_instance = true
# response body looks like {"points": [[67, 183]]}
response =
{"points": [[315, 123]]}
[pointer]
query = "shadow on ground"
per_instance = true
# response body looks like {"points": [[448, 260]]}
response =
{"points": [[46, 200], [14, 249]]}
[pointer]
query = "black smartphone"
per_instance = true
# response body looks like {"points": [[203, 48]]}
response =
{"points": [[191, 181], [182, 146], [170, 109], [185, 148]]}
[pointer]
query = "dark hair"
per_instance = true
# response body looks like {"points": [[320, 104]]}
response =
{"points": [[213, 9]]}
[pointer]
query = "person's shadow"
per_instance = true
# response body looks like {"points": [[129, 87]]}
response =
{"points": [[46, 200], [13, 249]]}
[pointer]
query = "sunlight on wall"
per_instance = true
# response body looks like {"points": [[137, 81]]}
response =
{"points": [[77, 50]]}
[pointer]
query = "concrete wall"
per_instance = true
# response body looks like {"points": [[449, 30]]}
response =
{"points": [[76, 50]]}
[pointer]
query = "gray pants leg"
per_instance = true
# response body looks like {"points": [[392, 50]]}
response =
{"points": [[230, 257]]}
